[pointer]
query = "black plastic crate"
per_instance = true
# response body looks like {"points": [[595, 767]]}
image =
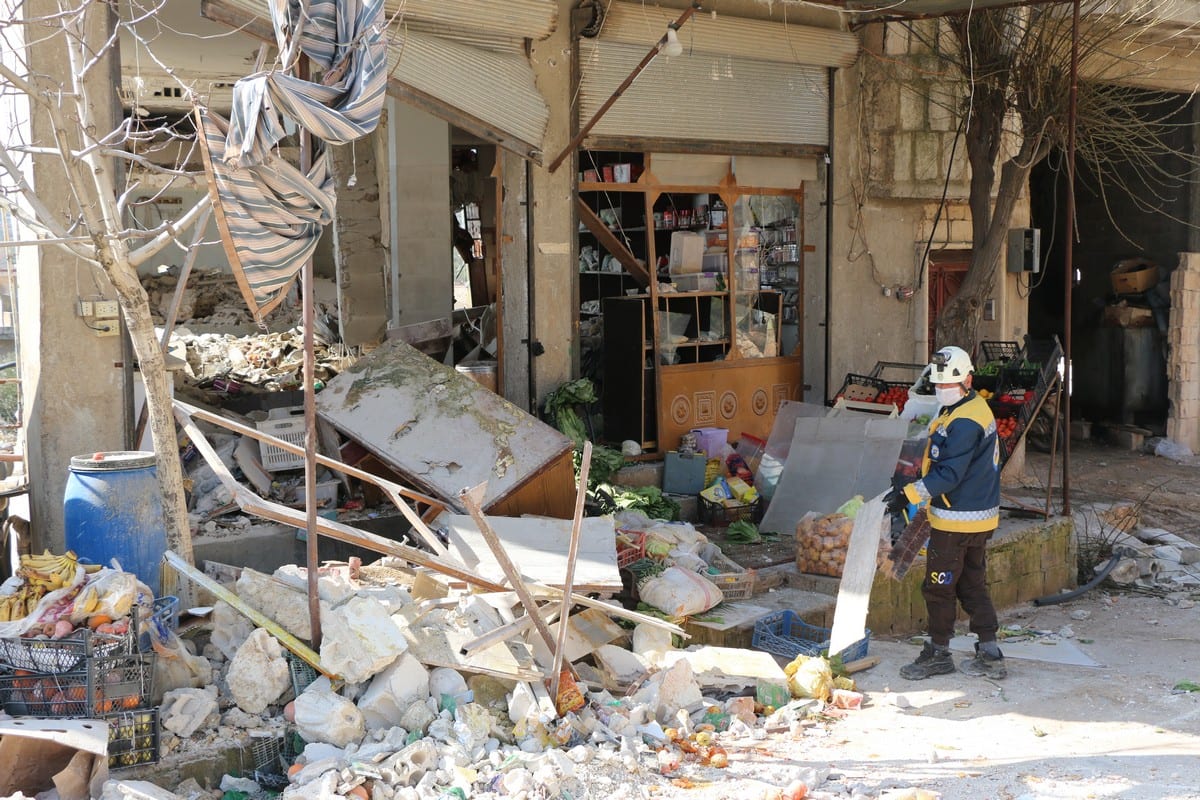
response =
{"points": [[104, 684], [999, 351], [133, 737], [720, 515], [861, 388]]}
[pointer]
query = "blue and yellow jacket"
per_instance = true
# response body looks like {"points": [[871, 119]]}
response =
{"points": [[960, 473]]}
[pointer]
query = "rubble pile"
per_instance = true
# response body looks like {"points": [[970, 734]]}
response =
{"points": [[210, 297], [398, 723], [268, 361]]}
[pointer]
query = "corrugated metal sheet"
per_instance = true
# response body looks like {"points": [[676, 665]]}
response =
{"points": [[634, 23], [704, 97], [492, 89], [496, 88], [532, 19]]}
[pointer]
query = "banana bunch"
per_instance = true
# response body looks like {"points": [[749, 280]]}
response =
{"points": [[40, 575], [20, 604], [48, 570]]}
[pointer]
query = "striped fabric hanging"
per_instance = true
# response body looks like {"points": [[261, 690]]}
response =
{"points": [[270, 214]]}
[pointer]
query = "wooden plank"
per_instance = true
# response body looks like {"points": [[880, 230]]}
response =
{"points": [[443, 430], [471, 499], [585, 632], [540, 549], [564, 611], [546, 493], [612, 244], [257, 506], [858, 573], [394, 491]]}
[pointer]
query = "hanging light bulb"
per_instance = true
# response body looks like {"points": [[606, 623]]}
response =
{"points": [[672, 47]]}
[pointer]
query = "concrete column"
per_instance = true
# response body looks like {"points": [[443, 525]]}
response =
{"points": [[421, 214], [1183, 362], [553, 252], [72, 378], [358, 253], [514, 280]]}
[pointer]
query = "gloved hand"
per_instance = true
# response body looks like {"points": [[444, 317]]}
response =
{"points": [[896, 501]]}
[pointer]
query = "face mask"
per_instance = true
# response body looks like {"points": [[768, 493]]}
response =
{"points": [[948, 396]]}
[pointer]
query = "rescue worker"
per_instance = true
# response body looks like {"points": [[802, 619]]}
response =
{"points": [[960, 482]]}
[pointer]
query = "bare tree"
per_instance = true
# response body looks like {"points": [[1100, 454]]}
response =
{"points": [[96, 156], [1013, 67]]}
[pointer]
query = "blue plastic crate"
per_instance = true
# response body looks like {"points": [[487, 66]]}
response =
{"points": [[783, 633]]}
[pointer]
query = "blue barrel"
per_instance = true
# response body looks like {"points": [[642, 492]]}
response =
{"points": [[112, 509]]}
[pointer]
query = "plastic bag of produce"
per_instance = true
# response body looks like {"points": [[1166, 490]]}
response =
{"points": [[680, 593], [810, 676]]}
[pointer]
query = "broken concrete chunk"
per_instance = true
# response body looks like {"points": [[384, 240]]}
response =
{"points": [[445, 681], [135, 790], [185, 711], [404, 682], [259, 673], [619, 666], [360, 639], [651, 642], [418, 717], [675, 689], [277, 601], [322, 716], [229, 629]]}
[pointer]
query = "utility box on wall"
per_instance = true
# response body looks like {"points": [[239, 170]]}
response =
{"points": [[1025, 250]]}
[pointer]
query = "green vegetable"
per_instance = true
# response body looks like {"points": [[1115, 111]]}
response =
{"points": [[647, 499], [743, 532], [1187, 686], [560, 407], [850, 507]]}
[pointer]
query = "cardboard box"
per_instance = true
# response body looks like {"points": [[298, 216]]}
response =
{"points": [[1123, 316], [1133, 276], [687, 252]]}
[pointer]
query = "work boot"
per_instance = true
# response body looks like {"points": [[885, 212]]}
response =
{"points": [[934, 660], [987, 663]]}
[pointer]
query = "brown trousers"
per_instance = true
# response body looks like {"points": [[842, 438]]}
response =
{"points": [[956, 572]]}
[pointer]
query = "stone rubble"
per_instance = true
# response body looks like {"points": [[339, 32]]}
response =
{"points": [[408, 731]]}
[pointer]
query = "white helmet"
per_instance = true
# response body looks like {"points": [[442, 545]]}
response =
{"points": [[950, 365]]}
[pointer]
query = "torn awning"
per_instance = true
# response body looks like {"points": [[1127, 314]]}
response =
{"points": [[458, 60], [270, 217], [270, 214]]}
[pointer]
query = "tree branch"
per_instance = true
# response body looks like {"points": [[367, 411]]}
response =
{"points": [[169, 231]]}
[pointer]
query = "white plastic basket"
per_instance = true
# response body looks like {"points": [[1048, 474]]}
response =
{"points": [[283, 423]]}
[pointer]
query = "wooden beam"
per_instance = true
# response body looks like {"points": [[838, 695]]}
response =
{"points": [[612, 244], [394, 491], [257, 506], [564, 610]]}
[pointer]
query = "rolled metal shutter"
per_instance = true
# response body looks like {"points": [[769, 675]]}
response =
{"points": [[703, 97]]}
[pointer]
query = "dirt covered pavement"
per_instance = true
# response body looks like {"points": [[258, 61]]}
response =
{"points": [[1117, 730]]}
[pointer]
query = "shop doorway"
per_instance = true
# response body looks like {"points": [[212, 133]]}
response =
{"points": [[947, 269], [475, 257]]}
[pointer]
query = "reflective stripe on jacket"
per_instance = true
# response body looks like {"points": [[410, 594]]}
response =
{"points": [[960, 473]]}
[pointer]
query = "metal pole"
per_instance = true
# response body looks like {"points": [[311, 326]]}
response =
{"points": [[1069, 260], [308, 302], [620, 90]]}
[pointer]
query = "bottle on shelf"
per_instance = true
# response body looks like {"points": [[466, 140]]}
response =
{"points": [[716, 214]]}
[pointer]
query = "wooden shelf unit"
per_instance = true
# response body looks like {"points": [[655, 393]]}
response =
{"points": [[678, 360]]}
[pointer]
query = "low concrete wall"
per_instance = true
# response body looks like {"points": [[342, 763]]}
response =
{"points": [[1025, 561]]}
